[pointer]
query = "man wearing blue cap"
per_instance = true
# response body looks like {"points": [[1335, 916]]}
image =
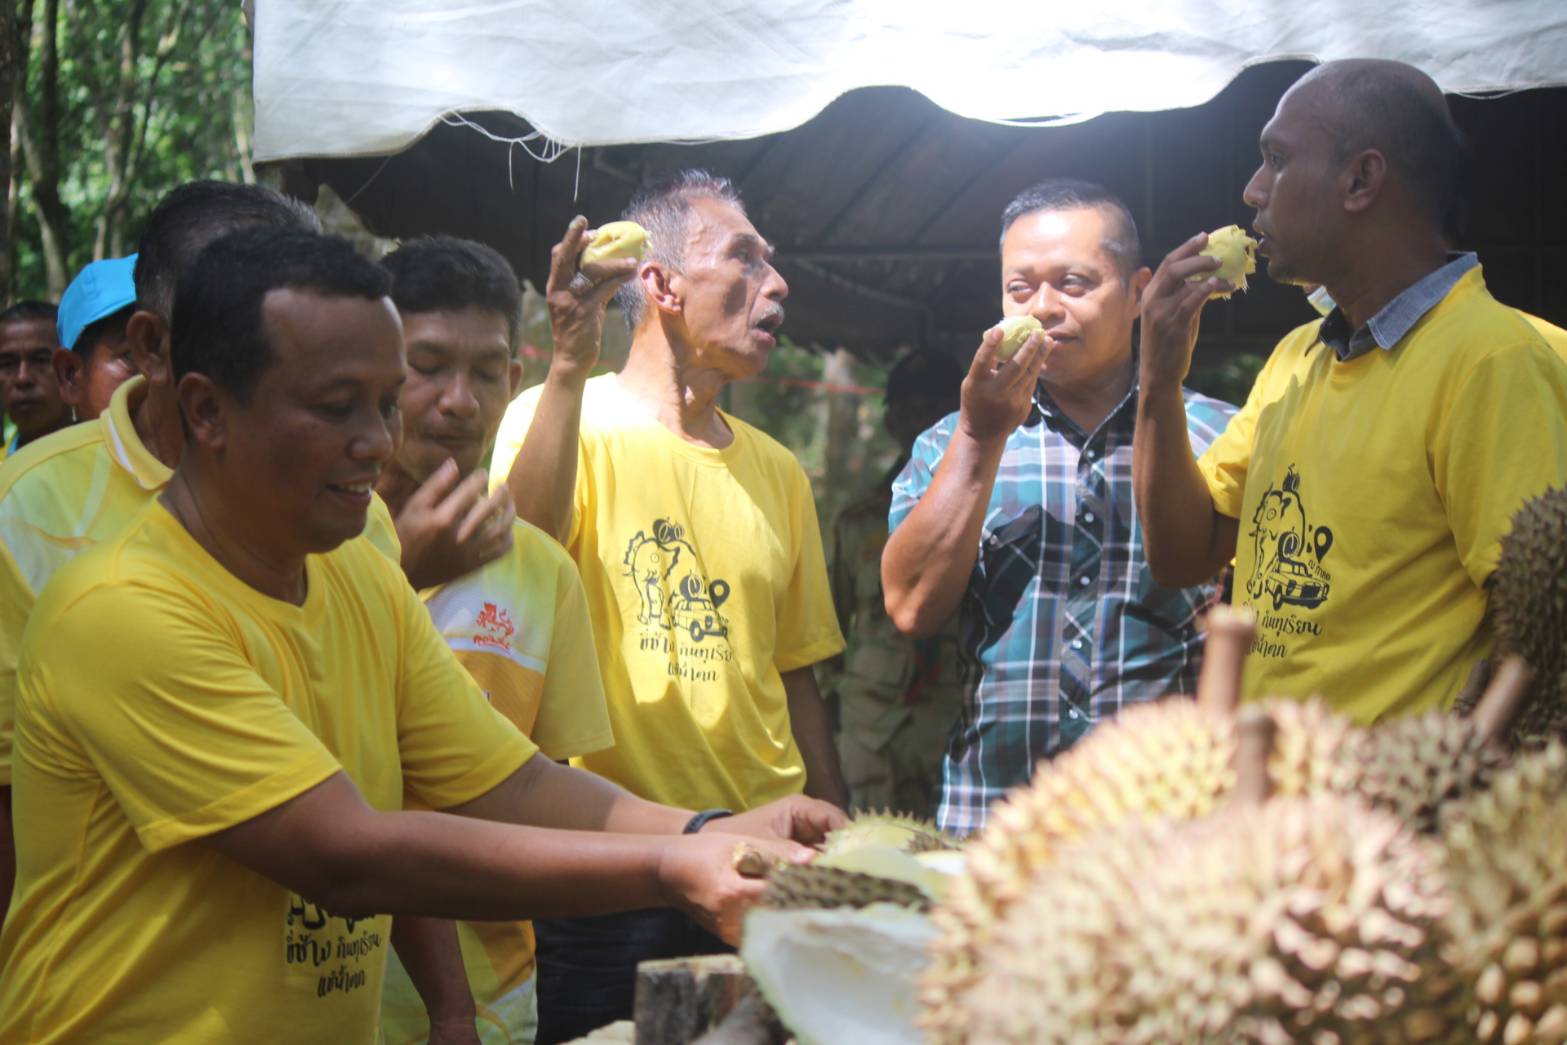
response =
{"points": [[94, 355], [29, 394]]}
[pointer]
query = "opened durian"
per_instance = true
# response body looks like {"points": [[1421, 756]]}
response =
{"points": [[615, 240], [1014, 331], [1237, 254], [888, 829], [856, 877], [1506, 851], [1311, 919], [1529, 598]]}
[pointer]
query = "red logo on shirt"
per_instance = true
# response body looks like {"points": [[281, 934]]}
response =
{"points": [[495, 627]]}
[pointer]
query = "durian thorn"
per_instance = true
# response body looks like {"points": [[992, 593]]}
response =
{"points": [[1504, 697], [1230, 633], [1255, 732], [751, 862]]}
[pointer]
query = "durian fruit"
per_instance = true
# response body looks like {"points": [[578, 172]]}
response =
{"points": [[856, 877], [615, 240], [1237, 254], [1315, 920], [836, 976], [890, 829], [1529, 599], [1506, 852], [1413, 767], [1014, 331], [1170, 759]]}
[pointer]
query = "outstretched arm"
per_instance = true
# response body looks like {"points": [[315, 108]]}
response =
{"points": [[1186, 539]]}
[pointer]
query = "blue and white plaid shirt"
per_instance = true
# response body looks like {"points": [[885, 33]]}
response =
{"points": [[1062, 623]]}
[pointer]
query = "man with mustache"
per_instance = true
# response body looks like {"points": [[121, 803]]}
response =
{"points": [[1016, 511], [697, 539], [1365, 487]]}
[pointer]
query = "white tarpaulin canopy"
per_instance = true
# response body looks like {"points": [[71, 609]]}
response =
{"points": [[358, 77]]}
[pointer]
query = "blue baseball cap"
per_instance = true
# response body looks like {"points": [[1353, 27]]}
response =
{"points": [[100, 289]]}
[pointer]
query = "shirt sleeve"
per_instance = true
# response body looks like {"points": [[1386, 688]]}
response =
{"points": [[185, 734], [454, 745], [1501, 441], [807, 624], [914, 480], [573, 715], [1228, 458], [16, 602], [508, 444]]}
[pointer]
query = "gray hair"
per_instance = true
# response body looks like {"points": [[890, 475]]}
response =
{"points": [[664, 209], [1056, 194]]}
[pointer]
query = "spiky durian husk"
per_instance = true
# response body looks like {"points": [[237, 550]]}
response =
{"points": [[1529, 598], [1413, 767], [1167, 759], [907, 833], [809, 885], [1311, 919], [1506, 851]]}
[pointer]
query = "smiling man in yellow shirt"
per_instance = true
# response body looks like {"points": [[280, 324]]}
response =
{"points": [[1365, 486], [209, 806]]}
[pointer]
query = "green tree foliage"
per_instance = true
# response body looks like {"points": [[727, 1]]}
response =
{"points": [[123, 99]]}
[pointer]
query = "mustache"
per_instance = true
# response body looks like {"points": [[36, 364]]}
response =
{"points": [[776, 312]]}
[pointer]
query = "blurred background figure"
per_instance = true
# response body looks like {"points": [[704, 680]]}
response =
{"points": [[896, 697], [94, 357], [29, 393]]}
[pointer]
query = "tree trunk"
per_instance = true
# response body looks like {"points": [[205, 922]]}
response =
{"points": [[10, 65], [41, 148]]}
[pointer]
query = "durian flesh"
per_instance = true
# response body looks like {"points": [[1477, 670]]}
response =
{"points": [[836, 976], [889, 830], [615, 240], [1014, 331], [1237, 254]]}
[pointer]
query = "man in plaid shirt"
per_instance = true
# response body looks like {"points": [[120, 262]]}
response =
{"points": [[1016, 512]]}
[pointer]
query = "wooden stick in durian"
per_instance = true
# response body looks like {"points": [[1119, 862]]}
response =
{"points": [[1504, 698], [1255, 732], [1230, 630]]}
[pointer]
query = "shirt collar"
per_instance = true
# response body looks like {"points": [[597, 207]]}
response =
{"points": [[1055, 418], [125, 446], [1395, 319]]}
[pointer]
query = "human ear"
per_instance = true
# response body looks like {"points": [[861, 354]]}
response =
{"points": [[68, 368], [148, 337], [203, 410]]}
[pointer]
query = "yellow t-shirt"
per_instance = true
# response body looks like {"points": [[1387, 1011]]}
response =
{"points": [[64, 493], [705, 579], [520, 626], [203, 704], [1372, 496], [1554, 335]]}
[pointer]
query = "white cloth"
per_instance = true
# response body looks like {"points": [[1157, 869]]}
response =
{"points": [[354, 77]]}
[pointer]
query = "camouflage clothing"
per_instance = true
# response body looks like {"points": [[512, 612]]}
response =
{"points": [[897, 697]]}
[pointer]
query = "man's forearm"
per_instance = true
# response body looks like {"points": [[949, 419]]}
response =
{"points": [[926, 565], [543, 478], [430, 953], [545, 794], [1185, 539], [813, 733]]}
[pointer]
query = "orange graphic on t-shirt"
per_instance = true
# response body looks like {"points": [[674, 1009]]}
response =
{"points": [[495, 627]]}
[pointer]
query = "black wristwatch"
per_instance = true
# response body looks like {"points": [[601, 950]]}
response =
{"points": [[696, 823]]}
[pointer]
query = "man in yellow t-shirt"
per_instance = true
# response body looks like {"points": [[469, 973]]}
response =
{"points": [[70, 490], [697, 539], [520, 624], [1365, 486], [209, 806]]}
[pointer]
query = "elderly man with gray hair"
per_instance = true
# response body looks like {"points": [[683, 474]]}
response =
{"points": [[697, 539]]}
